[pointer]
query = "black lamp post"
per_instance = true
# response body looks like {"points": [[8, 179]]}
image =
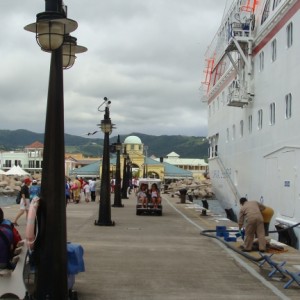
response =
{"points": [[50, 255], [118, 198], [145, 167], [104, 207], [125, 181], [129, 172]]}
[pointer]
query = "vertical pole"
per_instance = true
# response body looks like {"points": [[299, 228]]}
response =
{"points": [[125, 178], [117, 199], [51, 247], [105, 207]]}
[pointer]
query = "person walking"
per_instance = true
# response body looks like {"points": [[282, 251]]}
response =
{"points": [[24, 204], [250, 216], [87, 192], [92, 184], [34, 190], [76, 188], [68, 191]]}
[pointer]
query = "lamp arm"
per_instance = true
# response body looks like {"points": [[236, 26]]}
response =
{"points": [[106, 102]]}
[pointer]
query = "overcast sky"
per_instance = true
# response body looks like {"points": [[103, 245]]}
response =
{"points": [[146, 56]]}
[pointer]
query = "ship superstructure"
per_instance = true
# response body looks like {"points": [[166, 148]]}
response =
{"points": [[252, 88]]}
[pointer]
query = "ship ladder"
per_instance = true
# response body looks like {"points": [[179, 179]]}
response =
{"points": [[208, 72], [250, 6]]}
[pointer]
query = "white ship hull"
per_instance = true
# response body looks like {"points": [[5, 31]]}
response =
{"points": [[254, 108]]}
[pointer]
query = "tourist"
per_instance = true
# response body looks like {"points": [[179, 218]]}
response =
{"points": [[24, 204], [34, 190], [68, 191], [135, 183], [6, 243], [112, 185], [250, 215], [87, 192], [142, 195], [76, 188], [92, 184], [155, 195]]}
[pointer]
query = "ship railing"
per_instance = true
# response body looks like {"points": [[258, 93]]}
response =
{"points": [[228, 179], [230, 72], [238, 29], [237, 95]]}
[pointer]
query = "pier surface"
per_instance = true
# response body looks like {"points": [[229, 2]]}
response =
{"points": [[154, 258]]}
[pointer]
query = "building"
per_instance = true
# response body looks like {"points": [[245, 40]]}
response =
{"points": [[77, 160], [30, 159], [197, 166], [140, 164]]}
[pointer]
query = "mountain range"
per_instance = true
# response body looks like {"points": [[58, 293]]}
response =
{"points": [[159, 146]]}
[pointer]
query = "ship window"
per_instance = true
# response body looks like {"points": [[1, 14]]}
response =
{"points": [[288, 106], [274, 49], [260, 119], [272, 113], [266, 12], [233, 132], [261, 60], [241, 128], [227, 135], [250, 124], [223, 98], [275, 4], [252, 68], [289, 33]]}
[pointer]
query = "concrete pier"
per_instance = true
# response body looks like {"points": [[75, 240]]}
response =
{"points": [[161, 258]]}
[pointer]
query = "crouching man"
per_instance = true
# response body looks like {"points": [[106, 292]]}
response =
{"points": [[251, 218]]}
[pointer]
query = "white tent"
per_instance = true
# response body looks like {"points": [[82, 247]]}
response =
{"points": [[1, 172], [16, 170]]}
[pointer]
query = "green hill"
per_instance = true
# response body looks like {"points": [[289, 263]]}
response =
{"points": [[160, 146]]}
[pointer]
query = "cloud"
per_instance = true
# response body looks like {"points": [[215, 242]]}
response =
{"points": [[147, 57]]}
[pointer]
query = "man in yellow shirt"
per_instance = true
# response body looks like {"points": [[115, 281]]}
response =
{"points": [[267, 214]]}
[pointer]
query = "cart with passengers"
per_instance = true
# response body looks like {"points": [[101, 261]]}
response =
{"points": [[146, 202]]}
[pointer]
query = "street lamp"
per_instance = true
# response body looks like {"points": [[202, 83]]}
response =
{"points": [[50, 255], [70, 48], [104, 207], [125, 182], [117, 199], [129, 173], [145, 167]]}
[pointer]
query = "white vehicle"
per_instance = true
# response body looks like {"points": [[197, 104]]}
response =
{"points": [[147, 206], [252, 92]]}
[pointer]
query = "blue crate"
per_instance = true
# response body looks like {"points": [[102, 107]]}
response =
{"points": [[220, 230], [230, 239]]}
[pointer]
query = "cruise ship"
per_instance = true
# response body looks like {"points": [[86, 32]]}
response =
{"points": [[252, 90]]}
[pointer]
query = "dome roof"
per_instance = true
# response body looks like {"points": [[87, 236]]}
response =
{"points": [[132, 140]]}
